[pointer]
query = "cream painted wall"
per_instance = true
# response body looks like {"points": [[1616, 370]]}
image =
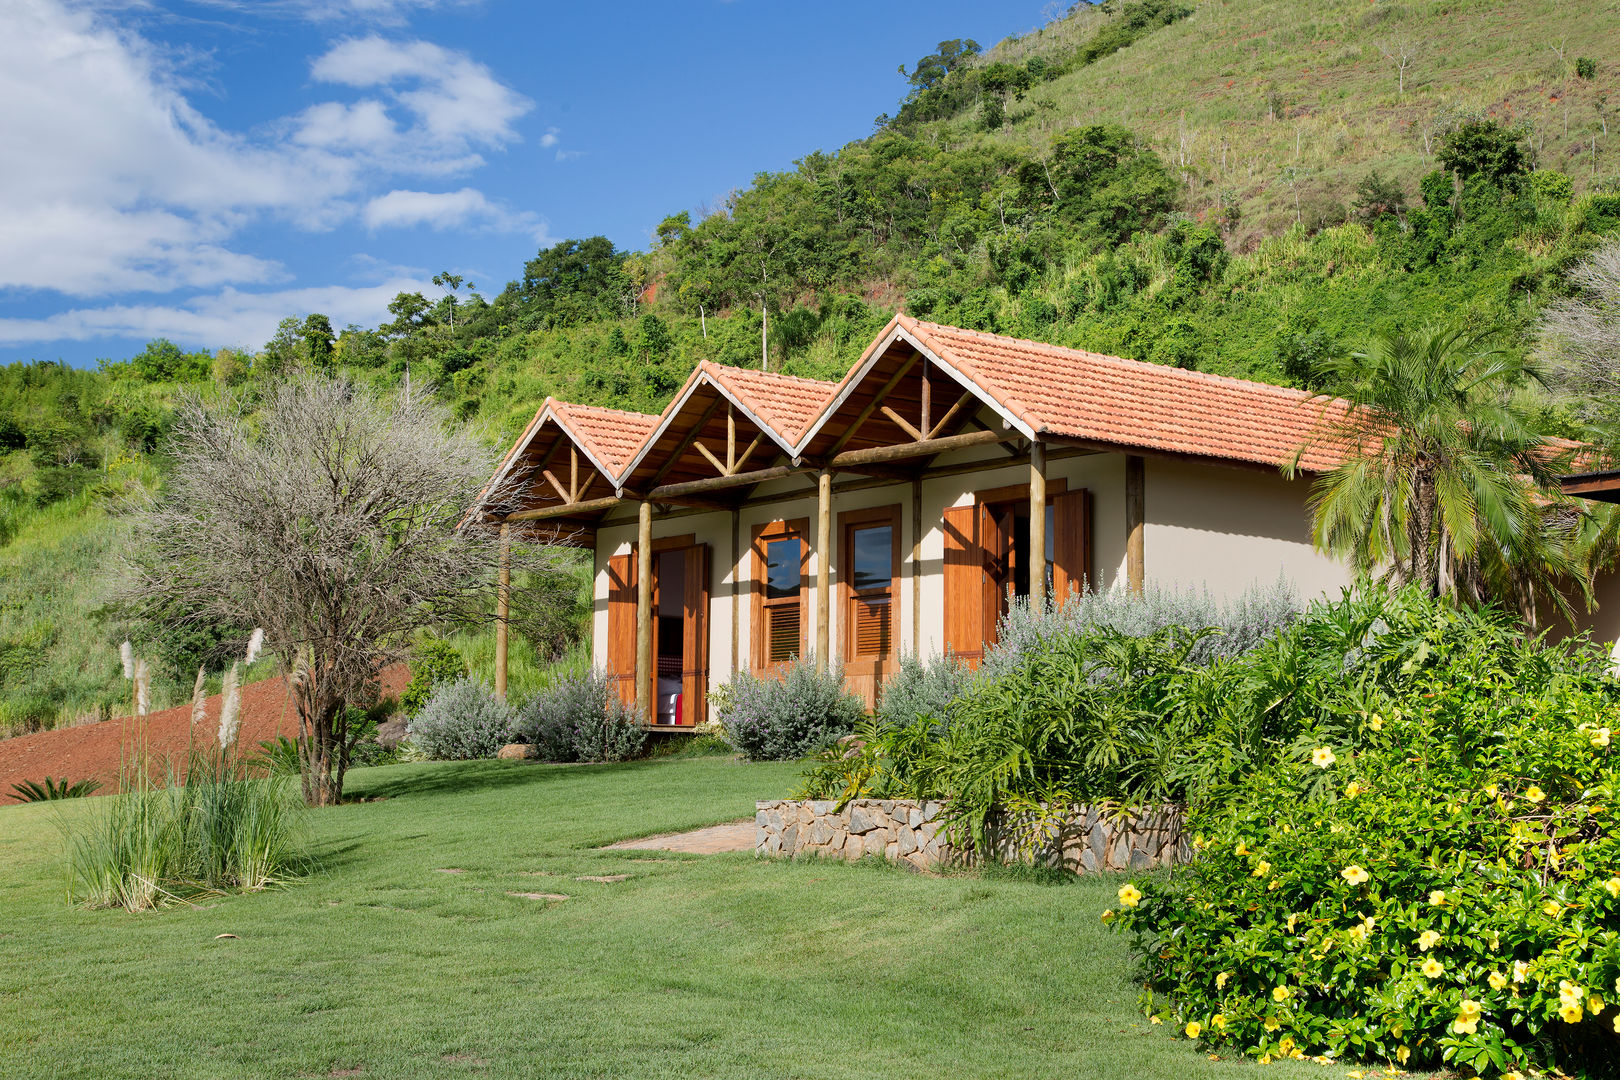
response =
{"points": [[1227, 529]]}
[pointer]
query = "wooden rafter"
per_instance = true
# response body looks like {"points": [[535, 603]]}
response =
{"points": [[691, 437], [719, 466], [562, 493], [902, 423], [950, 414], [872, 406], [738, 463]]}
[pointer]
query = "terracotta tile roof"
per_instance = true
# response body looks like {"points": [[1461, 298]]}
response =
{"points": [[1132, 404], [787, 403], [611, 436]]}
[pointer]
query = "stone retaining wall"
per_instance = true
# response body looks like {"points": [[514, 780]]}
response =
{"points": [[1086, 839]]}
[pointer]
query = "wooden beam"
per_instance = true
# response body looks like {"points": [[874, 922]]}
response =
{"points": [[573, 474], [916, 560], [877, 455], [644, 642], [672, 492], [1135, 522], [823, 566], [503, 602], [746, 454], [556, 485], [731, 442], [901, 422], [1037, 526], [584, 488], [871, 406], [950, 414], [927, 401], [719, 466], [566, 510], [691, 437], [736, 585], [893, 472]]}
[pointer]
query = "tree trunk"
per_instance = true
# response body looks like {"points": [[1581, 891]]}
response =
{"points": [[321, 750], [1420, 529]]}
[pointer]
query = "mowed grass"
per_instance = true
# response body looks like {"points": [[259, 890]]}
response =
{"points": [[383, 965]]}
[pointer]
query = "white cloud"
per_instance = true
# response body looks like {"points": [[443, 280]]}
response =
{"points": [[549, 139], [113, 182], [447, 210], [383, 12], [227, 317]]}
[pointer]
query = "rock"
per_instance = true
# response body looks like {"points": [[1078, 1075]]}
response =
{"points": [[906, 841], [790, 838], [760, 836], [391, 731], [876, 843], [517, 752], [820, 832], [821, 807], [773, 820], [891, 850], [914, 816], [861, 820]]}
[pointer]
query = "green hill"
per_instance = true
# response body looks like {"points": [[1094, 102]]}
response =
{"points": [[1238, 186]]}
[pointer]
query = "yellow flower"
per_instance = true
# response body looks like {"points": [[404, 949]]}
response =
{"points": [[1193, 1030], [1376, 723], [1352, 789], [1613, 887], [1292, 919], [1108, 916], [1261, 868], [1241, 850], [1402, 1053], [1594, 1004], [1428, 940], [1220, 980], [1514, 1075], [1600, 737], [1155, 1020], [1437, 897], [1218, 1022], [1433, 968], [1469, 1008], [1534, 793], [1322, 757], [1355, 875], [1497, 980], [1273, 885], [1521, 971], [1570, 993], [1271, 1024], [1465, 1026], [1490, 791], [1617, 1025], [1552, 908], [1279, 993], [1570, 1014], [1129, 895], [1286, 1045]]}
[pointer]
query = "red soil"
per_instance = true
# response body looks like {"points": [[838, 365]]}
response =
{"points": [[96, 751]]}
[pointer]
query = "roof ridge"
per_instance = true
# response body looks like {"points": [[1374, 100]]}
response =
{"points": [[753, 373], [574, 405]]}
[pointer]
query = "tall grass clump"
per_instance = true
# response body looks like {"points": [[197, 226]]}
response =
{"points": [[214, 829]]}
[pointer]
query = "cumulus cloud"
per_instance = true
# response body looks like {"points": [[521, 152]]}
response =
{"points": [[448, 210], [114, 183], [384, 12]]}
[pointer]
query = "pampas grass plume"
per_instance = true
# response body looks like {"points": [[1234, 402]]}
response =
{"points": [[143, 687], [199, 701], [230, 709], [126, 654], [255, 645]]}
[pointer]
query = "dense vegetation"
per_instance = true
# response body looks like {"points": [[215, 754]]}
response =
{"points": [[1072, 217]]}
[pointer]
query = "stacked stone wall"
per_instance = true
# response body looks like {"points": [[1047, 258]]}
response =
{"points": [[1084, 839]]}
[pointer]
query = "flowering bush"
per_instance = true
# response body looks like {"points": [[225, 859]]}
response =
{"points": [[1425, 873], [771, 719], [580, 718], [461, 720]]}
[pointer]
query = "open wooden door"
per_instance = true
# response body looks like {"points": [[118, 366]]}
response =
{"points": [[964, 585], [1071, 543], [621, 648], [695, 636]]}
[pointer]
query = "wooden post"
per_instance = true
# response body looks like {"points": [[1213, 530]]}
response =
{"points": [[644, 641], [823, 565], [736, 585], [1037, 525], [916, 566], [1135, 514], [503, 601]]}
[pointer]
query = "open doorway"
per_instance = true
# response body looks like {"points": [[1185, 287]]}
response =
{"points": [[1007, 562], [669, 640]]}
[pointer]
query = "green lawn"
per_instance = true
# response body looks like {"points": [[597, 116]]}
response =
{"points": [[711, 966]]}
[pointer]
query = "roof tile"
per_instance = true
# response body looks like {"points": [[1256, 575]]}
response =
{"points": [[788, 403]]}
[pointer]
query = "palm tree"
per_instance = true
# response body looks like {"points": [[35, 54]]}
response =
{"points": [[1447, 480]]}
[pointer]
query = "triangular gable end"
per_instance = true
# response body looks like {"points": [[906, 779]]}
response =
{"points": [[569, 454]]}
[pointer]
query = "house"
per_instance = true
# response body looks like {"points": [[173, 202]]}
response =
{"points": [[763, 517]]}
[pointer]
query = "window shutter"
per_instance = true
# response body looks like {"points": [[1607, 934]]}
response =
{"points": [[783, 632], [621, 650], [1071, 543], [695, 636], [964, 585], [872, 627]]}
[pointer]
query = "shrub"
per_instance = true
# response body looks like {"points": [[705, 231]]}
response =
{"points": [[461, 721], [579, 717], [214, 829], [1424, 872], [435, 662], [770, 719], [52, 788], [1586, 68], [923, 690]]}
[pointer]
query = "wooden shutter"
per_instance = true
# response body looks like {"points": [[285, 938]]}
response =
{"points": [[621, 650], [1071, 543], [695, 635], [779, 631], [964, 585], [873, 627]]}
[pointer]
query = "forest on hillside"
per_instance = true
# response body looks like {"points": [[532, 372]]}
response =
{"points": [[992, 196]]}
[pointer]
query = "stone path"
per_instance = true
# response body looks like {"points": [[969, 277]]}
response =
{"points": [[715, 840]]}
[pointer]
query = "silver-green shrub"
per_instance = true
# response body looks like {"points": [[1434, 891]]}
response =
{"points": [[462, 720], [1240, 623], [771, 719], [579, 718], [923, 689]]}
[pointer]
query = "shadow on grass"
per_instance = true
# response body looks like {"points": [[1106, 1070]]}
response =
{"points": [[471, 777]]}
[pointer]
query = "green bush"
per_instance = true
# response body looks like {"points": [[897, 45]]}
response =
{"points": [[434, 662], [1424, 872], [923, 690], [771, 719], [52, 788], [463, 720], [1586, 68], [579, 717]]}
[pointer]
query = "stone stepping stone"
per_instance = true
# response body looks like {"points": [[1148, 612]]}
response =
{"points": [[714, 840], [448, 870], [538, 895], [605, 879]]}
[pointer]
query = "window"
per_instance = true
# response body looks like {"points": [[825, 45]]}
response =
{"points": [[871, 566], [780, 550]]}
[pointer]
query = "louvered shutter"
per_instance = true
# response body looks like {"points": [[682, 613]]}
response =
{"points": [[964, 585], [1071, 543], [695, 635], [621, 651]]}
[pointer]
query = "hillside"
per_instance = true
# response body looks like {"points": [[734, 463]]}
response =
{"points": [[1237, 186]]}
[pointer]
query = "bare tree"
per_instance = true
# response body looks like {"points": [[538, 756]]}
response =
{"points": [[1400, 53], [1580, 335], [335, 516]]}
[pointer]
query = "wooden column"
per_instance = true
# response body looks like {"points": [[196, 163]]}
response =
{"points": [[823, 565], [644, 639], [503, 602], [1037, 525], [1135, 517], [736, 585], [916, 563]]}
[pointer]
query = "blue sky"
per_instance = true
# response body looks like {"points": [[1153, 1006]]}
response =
{"points": [[197, 169]]}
